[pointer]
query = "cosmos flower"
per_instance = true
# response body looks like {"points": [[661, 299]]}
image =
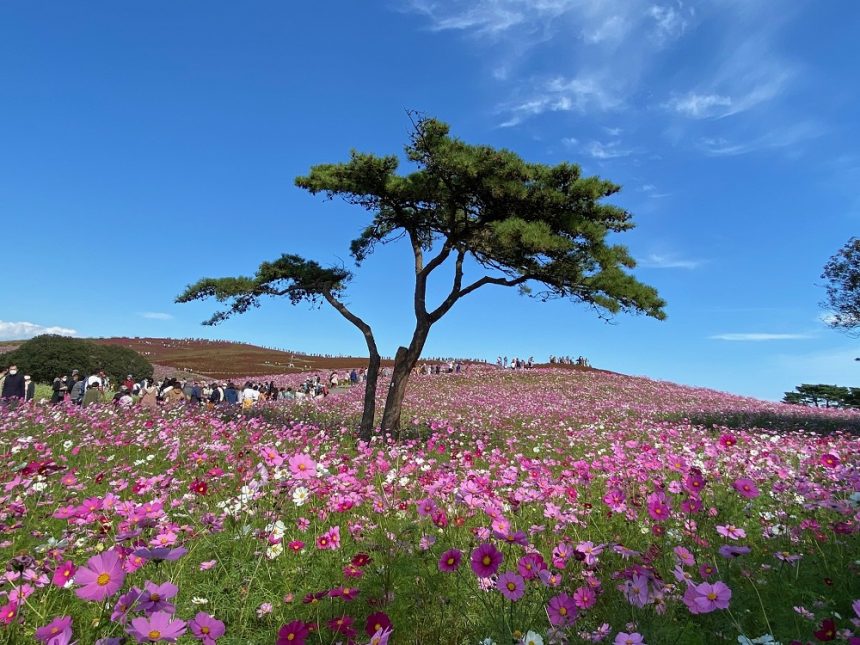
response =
{"points": [[486, 560], [101, 577]]}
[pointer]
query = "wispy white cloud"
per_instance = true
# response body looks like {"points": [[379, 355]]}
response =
{"points": [[759, 337], [670, 22], [24, 330], [560, 94], [598, 149], [155, 315], [699, 105], [779, 137], [656, 261]]}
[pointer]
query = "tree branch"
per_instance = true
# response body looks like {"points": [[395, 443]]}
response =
{"points": [[454, 295], [489, 280], [355, 320]]}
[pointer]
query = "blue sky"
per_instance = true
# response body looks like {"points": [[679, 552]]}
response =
{"points": [[146, 145]]}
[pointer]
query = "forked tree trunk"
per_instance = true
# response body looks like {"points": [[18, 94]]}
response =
{"points": [[365, 430], [404, 361]]}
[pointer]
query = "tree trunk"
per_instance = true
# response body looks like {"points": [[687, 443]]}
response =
{"points": [[365, 430], [404, 361]]}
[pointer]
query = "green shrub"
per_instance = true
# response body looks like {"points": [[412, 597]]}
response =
{"points": [[46, 357]]}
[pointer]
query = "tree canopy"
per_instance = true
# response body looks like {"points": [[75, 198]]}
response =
{"points": [[512, 222], [824, 396], [48, 356], [842, 275]]}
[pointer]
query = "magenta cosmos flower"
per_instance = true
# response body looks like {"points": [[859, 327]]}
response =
{"points": [[829, 460], [377, 622], [63, 574], [101, 577], [293, 633], [623, 638], [511, 585], [206, 628], [561, 610], [55, 628], [746, 487], [302, 466], [158, 627], [486, 560], [450, 560], [154, 597]]}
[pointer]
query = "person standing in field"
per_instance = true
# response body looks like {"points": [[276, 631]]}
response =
{"points": [[29, 388], [13, 385], [78, 387], [92, 395]]}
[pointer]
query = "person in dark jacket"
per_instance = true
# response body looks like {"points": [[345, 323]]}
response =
{"points": [[231, 395], [59, 388], [13, 386], [30, 389]]}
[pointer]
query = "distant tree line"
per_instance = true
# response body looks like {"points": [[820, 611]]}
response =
{"points": [[824, 396]]}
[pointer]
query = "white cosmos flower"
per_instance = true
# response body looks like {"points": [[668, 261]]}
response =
{"points": [[300, 495]]}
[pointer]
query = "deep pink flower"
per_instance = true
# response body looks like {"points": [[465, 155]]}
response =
{"points": [[658, 509], [63, 574], [55, 628], [157, 627], [450, 560], [330, 540], [377, 622], [342, 625], [206, 628], [486, 560], [293, 633], [829, 460], [530, 565], [511, 585], [101, 577], [561, 610], [746, 487], [8, 612]]}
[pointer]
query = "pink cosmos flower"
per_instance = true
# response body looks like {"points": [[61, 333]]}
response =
{"points": [[8, 612], [450, 560], [706, 597], [124, 605], [511, 585], [658, 509], [746, 487], [561, 610], [342, 625], [486, 560], [157, 627], [205, 566], [684, 556], [623, 638], [381, 637], [731, 532], [584, 597], [302, 466], [330, 540], [206, 628], [154, 597], [63, 574], [55, 628], [101, 577], [530, 565]]}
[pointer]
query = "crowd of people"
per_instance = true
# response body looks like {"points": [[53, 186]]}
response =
{"points": [[515, 363], [567, 360]]}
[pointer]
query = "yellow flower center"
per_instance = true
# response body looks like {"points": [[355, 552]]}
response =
{"points": [[154, 635], [712, 596], [511, 586], [154, 597], [486, 560], [204, 630], [563, 611], [451, 562], [291, 637], [103, 579]]}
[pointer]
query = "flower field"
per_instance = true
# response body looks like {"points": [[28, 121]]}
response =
{"points": [[535, 507]]}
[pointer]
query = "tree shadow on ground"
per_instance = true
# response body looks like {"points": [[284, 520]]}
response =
{"points": [[773, 421]]}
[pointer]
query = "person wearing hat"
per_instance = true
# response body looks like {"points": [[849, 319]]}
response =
{"points": [[29, 388], [13, 385]]}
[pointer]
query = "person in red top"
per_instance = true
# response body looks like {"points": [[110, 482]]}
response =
{"points": [[129, 382]]}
